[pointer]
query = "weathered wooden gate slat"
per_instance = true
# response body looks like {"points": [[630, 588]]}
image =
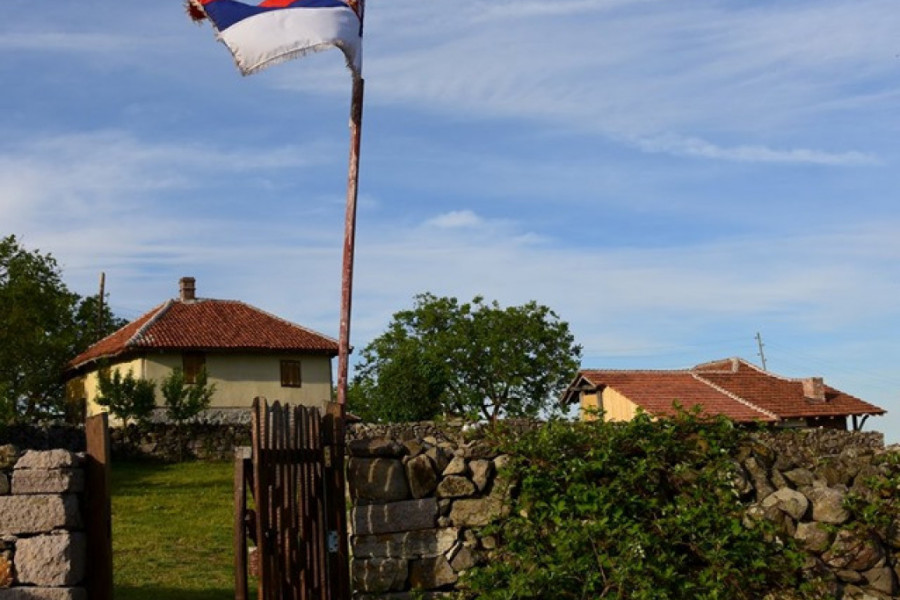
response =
{"points": [[295, 466], [99, 514]]}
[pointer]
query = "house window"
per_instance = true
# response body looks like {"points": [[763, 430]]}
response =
{"points": [[192, 363], [290, 373]]}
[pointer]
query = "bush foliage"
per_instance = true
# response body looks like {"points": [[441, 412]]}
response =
{"points": [[128, 398], [639, 510], [186, 400]]}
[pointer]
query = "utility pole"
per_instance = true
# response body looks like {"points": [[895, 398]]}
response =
{"points": [[762, 355], [99, 332]]}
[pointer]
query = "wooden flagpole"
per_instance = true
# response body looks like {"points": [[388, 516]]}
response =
{"points": [[349, 237]]}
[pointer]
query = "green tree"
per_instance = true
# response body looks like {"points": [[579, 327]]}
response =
{"points": [[42, 326], [127, 398], [185, 400], [474, 358]]}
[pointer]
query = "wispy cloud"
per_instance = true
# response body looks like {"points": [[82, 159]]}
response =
{"points": [[678, 146], [63, 41], [712, 83], [457, 219]]}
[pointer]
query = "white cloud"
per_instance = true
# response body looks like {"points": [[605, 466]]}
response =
{"points": [[457, 219]]}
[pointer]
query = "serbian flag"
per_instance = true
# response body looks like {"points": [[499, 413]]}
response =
{"points": [[277, 30]]}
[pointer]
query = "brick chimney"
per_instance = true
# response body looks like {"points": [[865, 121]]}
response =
{"points": [[186, 289], [814, 389]]}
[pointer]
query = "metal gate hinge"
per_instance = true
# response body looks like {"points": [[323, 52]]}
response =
{"points": [[327, 453], [332, 541]]}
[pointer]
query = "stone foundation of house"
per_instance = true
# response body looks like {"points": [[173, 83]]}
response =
{"points": [[43, 547]]}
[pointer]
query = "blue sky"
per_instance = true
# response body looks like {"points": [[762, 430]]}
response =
{"points": [[671, 178]]}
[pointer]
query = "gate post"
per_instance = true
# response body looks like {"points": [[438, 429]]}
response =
{"points": [[98, 513], [242, 471], [336, 503]]}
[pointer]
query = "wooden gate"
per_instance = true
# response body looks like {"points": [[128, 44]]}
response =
{"points": [[298, 522]]}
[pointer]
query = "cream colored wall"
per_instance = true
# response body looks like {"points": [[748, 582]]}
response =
{"points": [[238, 378], [589, 407], [617, 407], [92, 383]]}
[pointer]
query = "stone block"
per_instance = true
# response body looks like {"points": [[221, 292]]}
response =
{"points": [[463, 560], [378, 575], [38, 514], [377, 479], [408, 544], [760, 476], [48, 459], [455, 486], [788, 501], [853, 551], [56, 481], [457, 466], [828, 505], [43, 593], [57, 559], [421, 476], [431, 573], [881, 580], [477, 512], [409, 515], [813, 536], [800, 477], [440, 456], [482, 470], [376, 448]]}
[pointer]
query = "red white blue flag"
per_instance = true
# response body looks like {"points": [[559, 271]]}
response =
{"points": [[278, 30]]}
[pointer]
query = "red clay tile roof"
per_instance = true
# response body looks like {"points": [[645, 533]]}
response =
{"points": [[205, 324], [782, 395], [657, 392], [731, 387]]}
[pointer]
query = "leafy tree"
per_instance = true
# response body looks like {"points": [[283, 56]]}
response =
{"points": [[475, 359], [126, 397], [42, 326], [186, 400]]}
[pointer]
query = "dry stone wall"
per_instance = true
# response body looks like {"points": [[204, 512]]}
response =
{"points": [[195, 440], [43, 547], [421, 495], [802, 481]]}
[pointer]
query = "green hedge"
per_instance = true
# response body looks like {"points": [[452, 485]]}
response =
{"points": [[639, 510]]}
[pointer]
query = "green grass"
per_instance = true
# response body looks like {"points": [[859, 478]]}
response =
{"points": [[172, 531]]}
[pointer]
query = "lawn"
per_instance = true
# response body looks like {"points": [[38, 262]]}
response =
{"points": [[172, 531]]}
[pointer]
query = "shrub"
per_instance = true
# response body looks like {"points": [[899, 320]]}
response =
{"points": [[186, 400], [639, 510], [127, 397]]}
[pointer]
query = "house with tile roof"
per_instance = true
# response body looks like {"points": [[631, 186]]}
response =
{"points": [[246, 352], [731, 387]]}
